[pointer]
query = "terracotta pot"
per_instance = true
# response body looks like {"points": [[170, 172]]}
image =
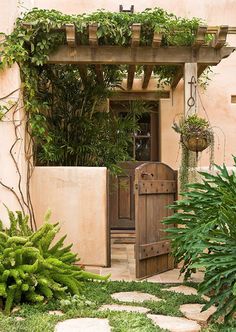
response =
{"points": [[195, 143]]}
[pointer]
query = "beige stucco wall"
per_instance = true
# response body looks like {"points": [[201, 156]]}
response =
{"points": [[10, 81], [216, 102], [216, 99], [77, 199]]}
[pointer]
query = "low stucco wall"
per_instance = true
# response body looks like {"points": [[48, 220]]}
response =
{"points": [[77, 197]]}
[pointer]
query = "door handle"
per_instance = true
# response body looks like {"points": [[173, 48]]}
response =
{"points": [[145, 173]]}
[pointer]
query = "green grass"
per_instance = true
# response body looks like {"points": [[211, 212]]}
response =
{"points": [[95, 294]]}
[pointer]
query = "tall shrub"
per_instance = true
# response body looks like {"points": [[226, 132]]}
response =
{"points": [[76, 127], [206, 236]]}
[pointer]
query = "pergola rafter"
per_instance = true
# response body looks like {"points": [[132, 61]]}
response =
{"points": [[200, 37], [201, 52], [135, 40], [177, 77]]}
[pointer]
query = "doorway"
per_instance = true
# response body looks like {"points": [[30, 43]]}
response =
{"points": [[145, 147]]}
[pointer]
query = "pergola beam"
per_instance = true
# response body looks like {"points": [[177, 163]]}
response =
{"points": [[200, 37], [220, 38], [140, 95], [83, 73], [157, 38], [200, 69], [147, 75], [136, 31], [71, 35], [93, 39], [156, 42], [177, 77], [135, 40], [172, 55], [130, 78], [99, 73]]}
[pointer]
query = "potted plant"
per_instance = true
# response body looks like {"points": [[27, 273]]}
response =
{"points": [[196, 135]]}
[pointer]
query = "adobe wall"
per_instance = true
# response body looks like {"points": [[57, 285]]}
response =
{"points": [[216, 100], [10, 81], [77, 199]]}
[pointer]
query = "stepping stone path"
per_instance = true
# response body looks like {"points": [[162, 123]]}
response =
{"points": [[83, 325], [175, 324], [134, 297], [185, 290], [193, 311], [128, 308]]}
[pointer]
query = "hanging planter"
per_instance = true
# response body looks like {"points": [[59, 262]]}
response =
{"points": [[197, 141], [195, 133]]}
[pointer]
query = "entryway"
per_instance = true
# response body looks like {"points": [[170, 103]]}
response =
{"points": [[149, 188]]}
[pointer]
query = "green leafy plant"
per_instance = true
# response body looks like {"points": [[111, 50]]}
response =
{"points": [[29, 45], [64, 121], [36, 35], [76, 127], [34, 269], [76, 302], [3, 111], [195, 136], [206, 236]]}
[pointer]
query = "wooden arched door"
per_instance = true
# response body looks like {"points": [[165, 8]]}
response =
{"points": [[155, 189]]}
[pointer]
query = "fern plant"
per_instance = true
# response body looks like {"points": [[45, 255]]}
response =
{"points": [[206, 236], [32, 268]]}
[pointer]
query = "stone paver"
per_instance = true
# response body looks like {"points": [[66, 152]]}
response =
{"points": [[134, 297], [186, 290], [19, 318], [175, 324], [173, 276], [83, 325], [56, 312], [193, 311], [128, 308]]}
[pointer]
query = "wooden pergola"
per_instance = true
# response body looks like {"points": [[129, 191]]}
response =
{"points": [[191, 60]]}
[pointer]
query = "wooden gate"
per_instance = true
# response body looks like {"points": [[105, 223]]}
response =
{"points": [[155, 188]]}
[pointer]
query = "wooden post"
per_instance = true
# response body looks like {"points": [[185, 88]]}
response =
{"points": [[190, 88]]}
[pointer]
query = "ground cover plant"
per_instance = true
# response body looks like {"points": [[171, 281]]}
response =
{"points": [[37, 318], [208, 238], [32, 269]]}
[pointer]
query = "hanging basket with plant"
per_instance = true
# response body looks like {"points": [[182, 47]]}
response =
{"points": [[196, 135]]}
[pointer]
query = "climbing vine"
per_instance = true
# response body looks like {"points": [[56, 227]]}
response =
{"points": [[37, 33], [53, 111]]}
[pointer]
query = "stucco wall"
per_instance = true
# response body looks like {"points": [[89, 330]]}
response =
{"points": [[10, 81], [216, 100], [77, 199]]}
